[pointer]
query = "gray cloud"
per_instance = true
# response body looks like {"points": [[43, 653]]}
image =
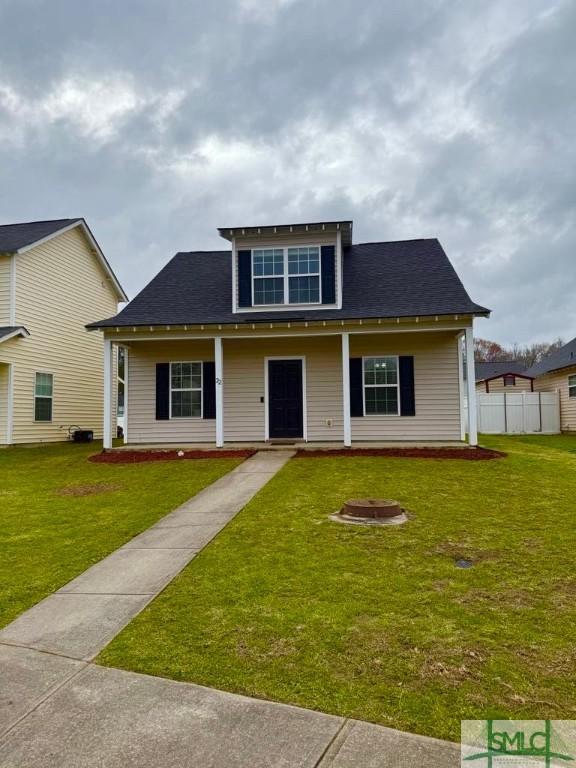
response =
{"points": [[161, 121]]}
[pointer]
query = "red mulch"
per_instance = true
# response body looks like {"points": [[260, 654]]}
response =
{"points": [[467, 454], [137, 457]]}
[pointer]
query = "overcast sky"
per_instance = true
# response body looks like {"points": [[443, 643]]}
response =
{"points": [[161, 120]]}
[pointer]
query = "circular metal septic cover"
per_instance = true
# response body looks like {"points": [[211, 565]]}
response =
{"points": [[371, 508], [371, 512]]}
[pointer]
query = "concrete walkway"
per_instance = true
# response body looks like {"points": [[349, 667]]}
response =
{"points": [[83, 616], [58, 710]]}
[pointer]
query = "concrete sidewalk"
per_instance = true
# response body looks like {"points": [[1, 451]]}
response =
{"points": [[58, 710], [108, 718]]}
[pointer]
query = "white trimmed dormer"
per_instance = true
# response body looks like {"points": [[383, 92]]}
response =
{"points": [[287, 267]]}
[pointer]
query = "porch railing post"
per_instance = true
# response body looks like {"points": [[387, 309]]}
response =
{"points": [[346, 388], [218, 364]]}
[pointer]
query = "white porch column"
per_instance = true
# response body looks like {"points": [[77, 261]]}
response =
{"points": [[126, 364], [471, 388], [346, 388], [460, 341], [218, 364], [108, 393]]}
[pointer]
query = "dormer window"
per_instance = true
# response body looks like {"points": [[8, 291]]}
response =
{"points": [[268, 275], [288, 266], [304, 275], [286, 275]]}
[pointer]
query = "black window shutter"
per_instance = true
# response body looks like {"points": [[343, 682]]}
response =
{"points": [[162, 391], [244, 278], [356, 393], [328, 257], [209, 390], [407, 399]]}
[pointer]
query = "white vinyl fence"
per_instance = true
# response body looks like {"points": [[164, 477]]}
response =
{"points": [[518, 412]]}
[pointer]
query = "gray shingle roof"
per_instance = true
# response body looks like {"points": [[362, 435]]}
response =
{"points": [[565, 357], [16, 236], [487, 370], [395, 279], [9, 330]]}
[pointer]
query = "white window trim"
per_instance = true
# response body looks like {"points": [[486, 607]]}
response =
{"points": [[386, 386], [44, 397], [304, 398], [188, 389], [572, 386], [285, 277]]}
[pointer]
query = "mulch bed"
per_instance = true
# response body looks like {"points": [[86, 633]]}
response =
{"points": [[138, 457], [465, 454]]}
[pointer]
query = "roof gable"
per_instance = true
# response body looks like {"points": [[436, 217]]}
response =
{"points": [[8, 332], [493, 368], [391, 279], [14, 237], [19, 238], [565, 357]]}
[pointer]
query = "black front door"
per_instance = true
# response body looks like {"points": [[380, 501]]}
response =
{"points": [[285, 399]]}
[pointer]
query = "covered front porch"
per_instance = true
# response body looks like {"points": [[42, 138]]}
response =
{"points": [[363, 384]]}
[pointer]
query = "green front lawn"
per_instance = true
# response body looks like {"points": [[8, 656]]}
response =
{"points": [[380, 624], [60, 513]]}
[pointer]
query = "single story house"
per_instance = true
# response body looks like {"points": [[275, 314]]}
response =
{"points": [[502, 375], [53, 277], [295, 333], [558, 373]]}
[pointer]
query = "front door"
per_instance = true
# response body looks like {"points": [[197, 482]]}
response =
{"points": [[285, 411]]}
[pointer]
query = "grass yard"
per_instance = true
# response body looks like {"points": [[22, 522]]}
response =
{"points": [[379, 624], [60, 513]]}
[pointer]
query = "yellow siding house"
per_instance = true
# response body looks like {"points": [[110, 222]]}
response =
{"points": [[557, 373], [54, 278]]}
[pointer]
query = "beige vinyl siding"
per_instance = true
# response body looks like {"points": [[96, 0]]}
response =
{"points": [[5, 289], [558, 380], [435, 387], [60, 286], [4, 395], [244, 385], [142, 424], [497, 385]]}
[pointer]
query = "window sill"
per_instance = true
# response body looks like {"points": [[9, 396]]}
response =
{"points": [[282, 308], [377, 416]]}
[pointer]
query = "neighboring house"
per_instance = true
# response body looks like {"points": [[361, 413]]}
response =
{"points": [[295, 333], [53, 278], [503, 375], [558, 373]]}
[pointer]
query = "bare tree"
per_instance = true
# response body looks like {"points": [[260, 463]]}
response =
{"points": [[528, 354], [488, 351]]}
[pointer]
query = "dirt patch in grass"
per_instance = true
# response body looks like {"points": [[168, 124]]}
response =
{"points": [[137, 457], [465, 454], [456, 550], [453, 672], [507, 599], [88, 490]]}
